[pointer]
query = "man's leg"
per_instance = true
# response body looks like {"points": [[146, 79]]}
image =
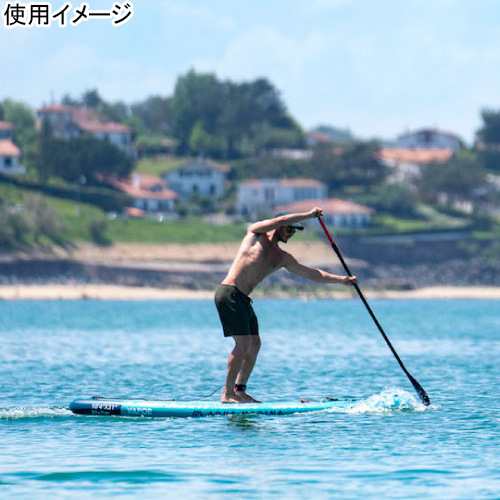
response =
{"points": [[247, 367], [235, 363]]}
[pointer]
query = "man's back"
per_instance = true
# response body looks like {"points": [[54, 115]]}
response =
{"points": [[257, 257]]}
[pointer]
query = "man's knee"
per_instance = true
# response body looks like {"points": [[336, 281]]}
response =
{"points": [[242, 347], [255, 344], [247, 346]]}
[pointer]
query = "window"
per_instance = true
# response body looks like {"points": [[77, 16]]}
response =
{"points": [[212, 189], [8, 161]]}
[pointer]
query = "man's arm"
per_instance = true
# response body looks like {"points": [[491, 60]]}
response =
{"points": [[267, 225], [292, 265]]}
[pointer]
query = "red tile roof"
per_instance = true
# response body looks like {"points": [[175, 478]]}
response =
{"points": [[134, 212], [418, 156], [8, 148], [329, 205], [140, 186], [6, 125], [87, 119], [56, 108], [108, 127]]}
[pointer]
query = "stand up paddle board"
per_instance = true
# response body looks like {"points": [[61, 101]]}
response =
{"points": [[145, 408]]}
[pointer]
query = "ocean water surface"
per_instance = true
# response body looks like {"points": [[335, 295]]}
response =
{"points": [[386, 445]]}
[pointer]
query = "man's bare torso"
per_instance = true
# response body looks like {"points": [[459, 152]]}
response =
{"points": [[257, 257]]}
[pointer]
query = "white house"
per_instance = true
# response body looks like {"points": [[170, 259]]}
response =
{"points": [[9, 158], [336, 212], [149, 193], [198, 177], [68, 122], [10, 154], [429, 138], [292, 154], [256, 197], [406, 163]]}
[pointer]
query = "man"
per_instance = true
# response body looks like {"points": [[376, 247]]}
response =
{"points": [[258, 256]]}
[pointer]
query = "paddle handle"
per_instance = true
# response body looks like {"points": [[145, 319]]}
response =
{"points": [[420, 390]]}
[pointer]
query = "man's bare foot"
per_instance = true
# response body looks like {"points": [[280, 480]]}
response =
{"points": [[246, 397], [231, 397]]}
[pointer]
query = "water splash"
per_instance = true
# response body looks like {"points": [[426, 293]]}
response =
{"points": [[390, 400], [21, 412]]}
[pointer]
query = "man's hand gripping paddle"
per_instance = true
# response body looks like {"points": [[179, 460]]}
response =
{"points": [[420, 390]]}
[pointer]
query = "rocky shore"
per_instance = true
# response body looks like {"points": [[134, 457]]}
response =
{"points": [[379, 265]]}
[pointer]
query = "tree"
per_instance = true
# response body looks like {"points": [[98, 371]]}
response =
{"points": [[68, 100], [267, 137], [116, 111], [203, 143], [154, 114], [336, 134], [254, 119], [461, 179], [25, 135], [197, 97], [91, 98], [44, 161], [489, 133], [355, 164], [488, 140], [88, 157], [239, 117]]}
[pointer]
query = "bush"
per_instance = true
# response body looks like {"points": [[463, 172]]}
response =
{"points": [[46, 222], [393, 198], [30, 223], [482, 222], [14, 226], [97, 230], [104, 198]]}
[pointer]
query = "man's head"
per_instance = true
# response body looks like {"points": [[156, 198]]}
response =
{"points": [[286, 232]]}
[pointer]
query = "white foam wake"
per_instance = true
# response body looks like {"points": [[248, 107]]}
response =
{"points": [[388, 401], [20, 412]]}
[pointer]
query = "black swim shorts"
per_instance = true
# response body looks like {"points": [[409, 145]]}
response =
{"points": [[235, 311]]}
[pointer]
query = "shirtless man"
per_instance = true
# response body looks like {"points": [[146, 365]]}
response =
{"points": [[258, 256]]}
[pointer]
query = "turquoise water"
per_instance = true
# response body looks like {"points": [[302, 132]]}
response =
{"points": [[387, 445]]}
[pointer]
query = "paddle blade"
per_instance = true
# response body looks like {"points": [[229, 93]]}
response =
{"points": [[424, 397]]}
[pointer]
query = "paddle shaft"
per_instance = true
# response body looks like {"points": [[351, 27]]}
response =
{"points": [[420, 390]]}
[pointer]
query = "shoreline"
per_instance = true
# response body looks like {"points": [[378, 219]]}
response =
{"points": [[114, 292]]}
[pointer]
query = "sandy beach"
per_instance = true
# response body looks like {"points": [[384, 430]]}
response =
{"points": [[204, 258], [112, 292], [310, 252]]}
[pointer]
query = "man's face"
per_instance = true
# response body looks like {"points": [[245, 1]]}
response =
{"points": [[285, 233]]}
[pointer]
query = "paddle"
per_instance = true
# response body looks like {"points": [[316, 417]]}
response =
{"points": [[420, 390]]}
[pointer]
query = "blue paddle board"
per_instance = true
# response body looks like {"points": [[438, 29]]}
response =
{"points": [[145, 408]]}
